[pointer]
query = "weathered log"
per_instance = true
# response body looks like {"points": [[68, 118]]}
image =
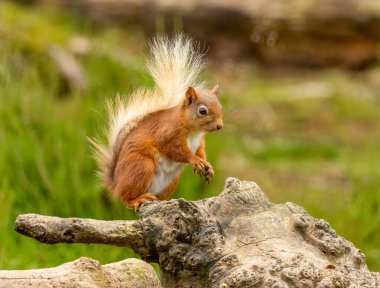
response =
{"points": [[238, 239], [53, 230], [294, 32], [84, 272]]}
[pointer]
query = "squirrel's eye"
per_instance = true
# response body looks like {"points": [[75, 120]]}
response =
{"points": [[202, 111]]}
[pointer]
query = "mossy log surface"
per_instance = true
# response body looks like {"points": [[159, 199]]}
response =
{"points": [[238, 239]]}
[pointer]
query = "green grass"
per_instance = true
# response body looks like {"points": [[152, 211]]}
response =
{"points": [[320, 152]]}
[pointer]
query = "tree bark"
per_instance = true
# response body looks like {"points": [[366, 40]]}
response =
{"points": [[238, 239], [84, 272]]}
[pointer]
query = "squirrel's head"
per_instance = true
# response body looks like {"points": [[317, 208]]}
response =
{"points": [[203, 108]]}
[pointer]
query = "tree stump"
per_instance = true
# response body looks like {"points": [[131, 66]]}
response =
{"points": [[238, 239]]}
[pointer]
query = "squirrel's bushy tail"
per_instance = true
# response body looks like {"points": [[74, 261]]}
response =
{"points": [[174, 65]]}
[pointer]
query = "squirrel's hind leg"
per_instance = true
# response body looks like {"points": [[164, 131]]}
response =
{"points": [[133, 178]]}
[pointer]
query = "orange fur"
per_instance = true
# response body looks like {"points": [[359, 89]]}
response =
{"points": [[163, 134], [174, 64], [155, 132], [201, 149]]}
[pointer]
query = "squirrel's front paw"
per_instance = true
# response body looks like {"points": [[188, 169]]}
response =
{"points": [[209, 172], [198, 165]]}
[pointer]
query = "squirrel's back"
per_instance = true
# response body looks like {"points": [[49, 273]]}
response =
{"points": [[174, 65]]}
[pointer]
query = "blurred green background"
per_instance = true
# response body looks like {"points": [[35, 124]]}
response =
{"points": [[309, 136]]}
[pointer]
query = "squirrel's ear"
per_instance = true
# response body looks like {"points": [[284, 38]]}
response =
{"points": [[215, 90], [191, 95]]}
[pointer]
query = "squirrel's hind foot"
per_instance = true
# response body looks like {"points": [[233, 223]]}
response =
{"points": [[144, 199]]}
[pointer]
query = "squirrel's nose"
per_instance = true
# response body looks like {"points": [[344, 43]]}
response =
{"points": [[219, 126]]}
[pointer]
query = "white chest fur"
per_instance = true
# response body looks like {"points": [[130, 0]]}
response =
{"points": [[194, 140], [167, 170]]}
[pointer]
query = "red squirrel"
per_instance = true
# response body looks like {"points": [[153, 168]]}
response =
{"points": [[156, 132]]}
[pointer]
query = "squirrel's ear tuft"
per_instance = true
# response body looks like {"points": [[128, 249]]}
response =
{"points": [[215, 90], [191, 95]]}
